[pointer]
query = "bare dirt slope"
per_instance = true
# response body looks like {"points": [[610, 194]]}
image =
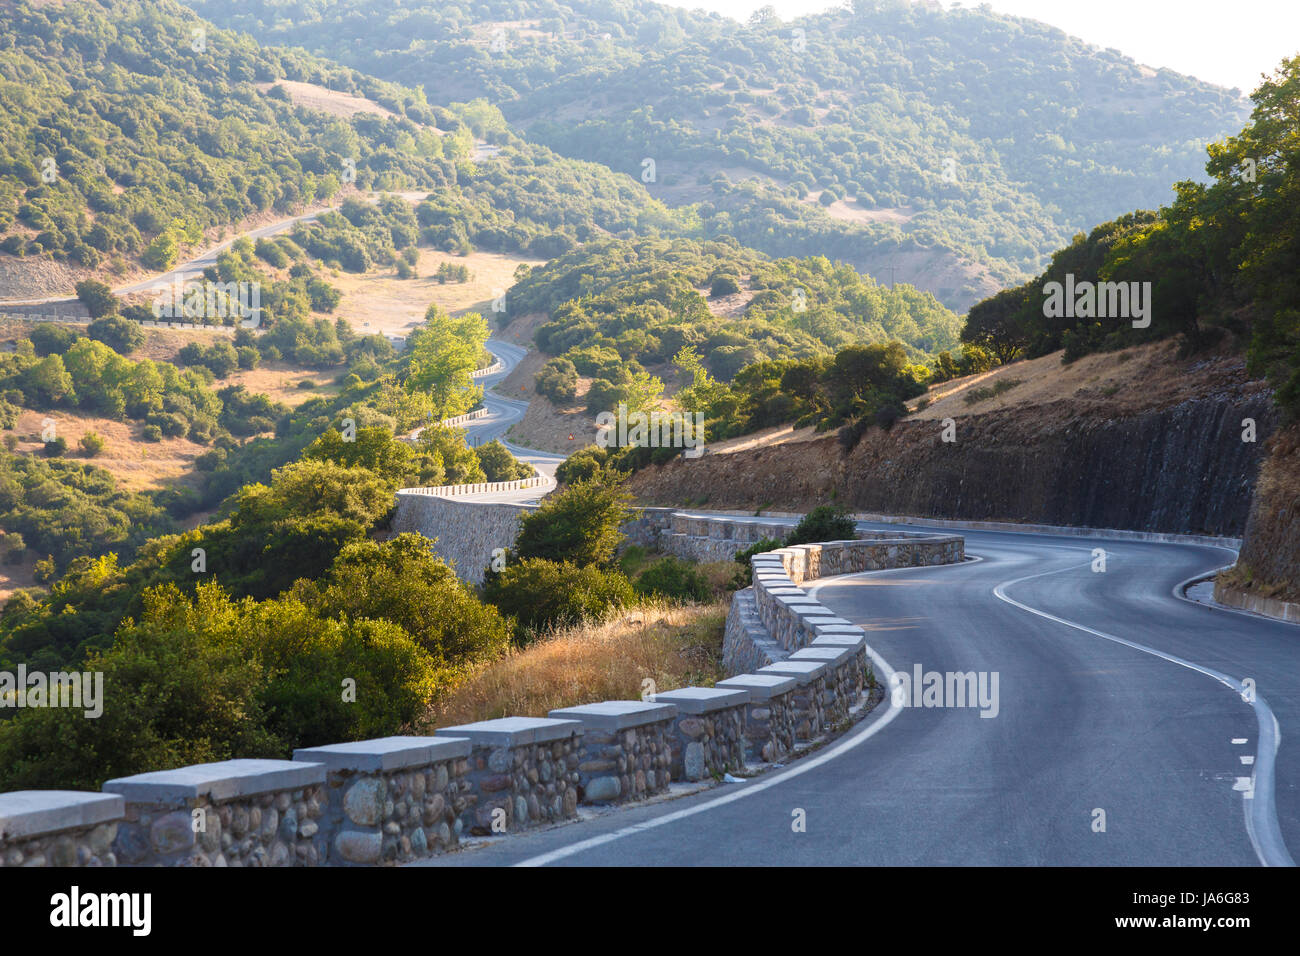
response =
{"points": [[1159, 448]]}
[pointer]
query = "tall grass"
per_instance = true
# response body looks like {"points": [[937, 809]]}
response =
{"points": [[673, 646]]}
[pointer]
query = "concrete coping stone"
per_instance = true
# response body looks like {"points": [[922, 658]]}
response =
{"points": [[29, 813], [704, 700], [805, 672], [760, 686], [835, 654], [385, 753], [800, 600], [618, 714], [820, 620], [838, 640], [226, 780], [513, 731], [789, 591], [849, 630]]}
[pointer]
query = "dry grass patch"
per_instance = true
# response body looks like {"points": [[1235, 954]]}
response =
{"points": [[378, 301], [137, 464], [672, 646]]}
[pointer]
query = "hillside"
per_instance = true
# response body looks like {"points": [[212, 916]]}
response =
{"points": [[1138, 439], [952, 150]]}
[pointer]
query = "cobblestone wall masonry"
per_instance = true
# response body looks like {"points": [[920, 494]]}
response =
{"points": [[624, 753], [808, 701], [391, 800], [769, 715], [59, 828], [467, 532], [746, 645], [524, 766], [843, 677], [707, 738], [791, 618], [253, 813]]}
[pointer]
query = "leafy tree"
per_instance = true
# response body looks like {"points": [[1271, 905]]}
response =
{"points": [[499, 465], [97, 297], [541, 594], [121, 335], [579, 524], [439, 357]]}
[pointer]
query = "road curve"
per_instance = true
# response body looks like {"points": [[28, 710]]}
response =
{"points": [[191, 268], [502, 413], [1108, 701]]}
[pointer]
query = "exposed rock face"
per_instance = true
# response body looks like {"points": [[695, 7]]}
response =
{"points": [[1270, 553], [1184, 468]]}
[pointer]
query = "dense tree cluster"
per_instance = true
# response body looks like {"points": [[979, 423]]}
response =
{"points": [[1219, 260], [130, 128], [997, 135], [619, 306]]}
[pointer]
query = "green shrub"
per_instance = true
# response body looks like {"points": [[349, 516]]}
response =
{"points": [[121, 335], [823, 523], [673, 578], [724, 285], [499, 465], [91, 444], [580, 524], [540, 594], [582, 465]]}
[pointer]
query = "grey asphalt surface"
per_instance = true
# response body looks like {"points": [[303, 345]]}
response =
{"points": [[1084, 723], [189, 269], [502, 413]]}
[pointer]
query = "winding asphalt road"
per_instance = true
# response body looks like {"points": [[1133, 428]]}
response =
{"points": [[1115, 695], [502, 413]]}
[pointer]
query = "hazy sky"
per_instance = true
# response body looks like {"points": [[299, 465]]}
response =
{"points": [[1229, 42]]}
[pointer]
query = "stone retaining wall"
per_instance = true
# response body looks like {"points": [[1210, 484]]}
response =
{"points": [[466, 533], [791, 618], [234, 813], [769, 715], [1256, 603], [398, 799], [624, 753], [707, 738], [59, 828], [391, 800], [521, 772]]}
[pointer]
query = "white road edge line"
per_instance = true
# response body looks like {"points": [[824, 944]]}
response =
{"points": [[1261, 812], [803, 766]]}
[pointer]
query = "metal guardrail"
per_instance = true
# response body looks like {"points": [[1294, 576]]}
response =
{"points": [[451, 491]]}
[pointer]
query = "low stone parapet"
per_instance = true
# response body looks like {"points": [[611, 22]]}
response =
{"points": [[391, 800], [59, 828], [808, 702], [769, 715], [708, 734], [522, 772], [843, 678], [624, 754], [860, 672], [746, 644], [233, 813]]}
